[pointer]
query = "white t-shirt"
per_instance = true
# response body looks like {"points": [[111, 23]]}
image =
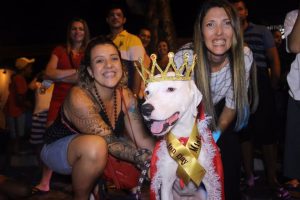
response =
{"points": [[293, 77], [221, 82]]}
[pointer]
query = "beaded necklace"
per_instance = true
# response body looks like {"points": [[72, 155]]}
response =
{"points": [[104, 110]]}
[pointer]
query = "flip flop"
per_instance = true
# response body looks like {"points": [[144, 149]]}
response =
{"points": [[283, 194], [37, 192]]}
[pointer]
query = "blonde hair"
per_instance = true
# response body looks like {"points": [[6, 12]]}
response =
{"points": [[236, 59]]}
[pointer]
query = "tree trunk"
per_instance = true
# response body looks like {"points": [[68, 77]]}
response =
{"points": [[167, 24], [161, 22]]}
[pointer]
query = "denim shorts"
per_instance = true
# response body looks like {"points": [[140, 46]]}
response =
{"points": [[55, 155]]}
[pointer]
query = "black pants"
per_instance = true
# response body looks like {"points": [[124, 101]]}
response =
{"points": [[229, 146], [231, 158]]}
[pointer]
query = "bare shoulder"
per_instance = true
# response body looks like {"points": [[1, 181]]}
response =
{"points": [[131, 105], [82, 111], [128, 97], [79, 101], [78, 95]]}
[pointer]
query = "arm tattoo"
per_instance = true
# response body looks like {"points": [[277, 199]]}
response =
{"points": [[120, 149], [88, 121], [134, 111]]}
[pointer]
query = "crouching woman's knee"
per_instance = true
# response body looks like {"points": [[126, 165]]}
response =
{"points": [[90, 148]]}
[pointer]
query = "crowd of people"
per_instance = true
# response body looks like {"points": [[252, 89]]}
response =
{"points": [[86, 111]]}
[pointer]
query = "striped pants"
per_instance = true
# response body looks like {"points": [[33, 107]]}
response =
{"points": [[38, 128]]}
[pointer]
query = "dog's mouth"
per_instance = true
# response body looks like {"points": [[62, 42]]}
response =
{"points": [[158, 127]]}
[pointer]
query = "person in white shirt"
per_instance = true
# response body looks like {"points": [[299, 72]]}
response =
{"points": [[291, 163], [222, 75]]}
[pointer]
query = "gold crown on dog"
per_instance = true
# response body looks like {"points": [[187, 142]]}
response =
{"points": [[182, 73]]}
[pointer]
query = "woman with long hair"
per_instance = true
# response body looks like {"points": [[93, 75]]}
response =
{"points": [[99, 117], [222, 75], [62, 69]]}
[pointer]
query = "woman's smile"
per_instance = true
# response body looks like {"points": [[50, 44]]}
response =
{"points": [[109, 74]]}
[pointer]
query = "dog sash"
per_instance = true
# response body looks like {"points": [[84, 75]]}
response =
{"points": [[186, 156]]}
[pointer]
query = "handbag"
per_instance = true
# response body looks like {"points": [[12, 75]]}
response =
{"points": [[123, 174]]}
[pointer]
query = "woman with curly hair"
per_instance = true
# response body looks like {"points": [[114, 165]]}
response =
{"points": [[93, 120]]}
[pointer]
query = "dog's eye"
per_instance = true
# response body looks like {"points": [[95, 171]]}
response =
{"points": [[170, 89], [146, 93]]}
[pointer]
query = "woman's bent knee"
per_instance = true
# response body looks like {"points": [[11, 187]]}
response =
{"points": [[89, 147]]}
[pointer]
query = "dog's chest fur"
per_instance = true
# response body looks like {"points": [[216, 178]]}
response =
{"points": [[166, 167]]}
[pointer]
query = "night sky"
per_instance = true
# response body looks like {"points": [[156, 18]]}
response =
{"points": [[40, 22], [27, 22]]}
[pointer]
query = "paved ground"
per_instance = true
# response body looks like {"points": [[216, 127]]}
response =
{"points": [[19, 172]]}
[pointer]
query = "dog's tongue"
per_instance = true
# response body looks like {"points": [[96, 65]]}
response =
{"points": [[158, 126], [173, 118]]}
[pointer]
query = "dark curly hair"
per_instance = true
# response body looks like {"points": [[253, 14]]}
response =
{"points": [[85, 79]]}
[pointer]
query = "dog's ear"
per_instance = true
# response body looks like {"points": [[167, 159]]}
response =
{"points": [[196, 96]]}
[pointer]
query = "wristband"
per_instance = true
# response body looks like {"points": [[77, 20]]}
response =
{"points": [[244, 120], [216, 135]]}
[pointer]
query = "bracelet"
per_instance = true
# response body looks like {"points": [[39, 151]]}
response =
{"points": [[141, 156]]}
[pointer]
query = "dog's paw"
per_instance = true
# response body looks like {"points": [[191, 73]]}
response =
{"points": [[184, 190]]}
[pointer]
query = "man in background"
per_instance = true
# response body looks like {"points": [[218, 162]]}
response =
{"points": [[261, 128], [130, 45]]}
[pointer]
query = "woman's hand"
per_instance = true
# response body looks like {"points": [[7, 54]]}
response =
{"points": [[186, 190], [226, 118], [141, 156]]}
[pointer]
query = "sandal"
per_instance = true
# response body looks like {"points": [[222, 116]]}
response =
{"points": [[251, 180], [37, 192], [283, 194]]}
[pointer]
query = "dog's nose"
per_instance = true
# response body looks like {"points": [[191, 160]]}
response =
{"points": [[147, 109]]}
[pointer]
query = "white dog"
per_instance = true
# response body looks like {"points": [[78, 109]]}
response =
{"points": [[172, 106]]}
